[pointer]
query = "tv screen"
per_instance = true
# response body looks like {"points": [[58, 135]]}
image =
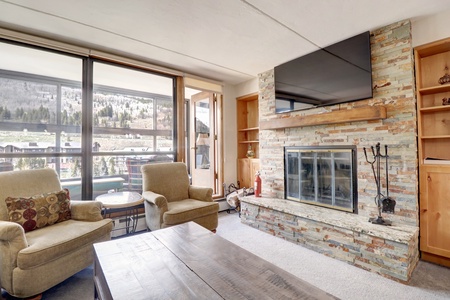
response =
{"points": [[336, 74]]}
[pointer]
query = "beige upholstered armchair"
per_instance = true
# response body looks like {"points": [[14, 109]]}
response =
{"points": [[44, 237], [171, 200]]}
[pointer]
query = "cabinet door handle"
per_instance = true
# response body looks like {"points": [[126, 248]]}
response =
{"points": [[429, 178]]}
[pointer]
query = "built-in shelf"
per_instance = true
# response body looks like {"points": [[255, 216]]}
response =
{"points": [[427, 137], [249, 129], [435, 89], [433, 131], [247, 109], [338, 116], [435, 109]]}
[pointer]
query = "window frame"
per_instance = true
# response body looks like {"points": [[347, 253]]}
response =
{"points": [[87, 87]]}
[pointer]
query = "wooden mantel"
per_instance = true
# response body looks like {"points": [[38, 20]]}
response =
{"points": [[338, 116]]}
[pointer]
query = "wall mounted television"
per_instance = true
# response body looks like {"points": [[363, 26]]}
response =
{"points": [[336, 74]]}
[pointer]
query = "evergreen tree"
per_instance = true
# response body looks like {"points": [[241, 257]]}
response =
{"points": [[104, 167], [112, 166], [20, 164]]}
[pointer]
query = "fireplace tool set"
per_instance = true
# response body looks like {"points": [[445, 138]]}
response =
{"points": [[384, 203]]}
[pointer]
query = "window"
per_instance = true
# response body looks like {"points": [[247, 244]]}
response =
{"points": [[95, 133], [133, 122]]}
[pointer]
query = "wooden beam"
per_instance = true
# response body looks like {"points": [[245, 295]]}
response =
{"points": [[339, 116]]}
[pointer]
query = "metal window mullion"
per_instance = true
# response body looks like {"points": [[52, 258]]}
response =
{"points": [[155, 122], [333, 179], [86, 129], [58, 124], [300, 170], [316, 179], [174, 119]]}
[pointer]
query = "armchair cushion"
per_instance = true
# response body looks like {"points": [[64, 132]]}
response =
{"points": [[187, 210], [171, 180], [44, 247], [39, 211]]}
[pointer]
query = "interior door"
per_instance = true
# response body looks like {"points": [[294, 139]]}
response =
{"points": [[202, 140]]}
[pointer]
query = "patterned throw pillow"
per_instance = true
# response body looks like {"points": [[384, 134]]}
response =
{"points": [[40, 210]]}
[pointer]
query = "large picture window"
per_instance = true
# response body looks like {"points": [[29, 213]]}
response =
{"points": [[95, 131]]}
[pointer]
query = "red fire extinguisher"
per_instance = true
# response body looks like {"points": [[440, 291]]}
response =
{"points": [[257, 185]]}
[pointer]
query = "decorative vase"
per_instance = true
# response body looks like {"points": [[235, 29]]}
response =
{"points": [[250, 152]]}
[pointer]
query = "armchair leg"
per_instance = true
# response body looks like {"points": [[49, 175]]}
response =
{"points": [[35, 297]]}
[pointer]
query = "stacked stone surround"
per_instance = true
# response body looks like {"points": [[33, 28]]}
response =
{"points": [[392, 252], [392, 68]]}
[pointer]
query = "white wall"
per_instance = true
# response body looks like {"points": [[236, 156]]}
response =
{"points": [[248, 87], [430, 29], [229, 134], [231, 92]]}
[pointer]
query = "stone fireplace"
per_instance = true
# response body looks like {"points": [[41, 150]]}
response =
{"points": [[322, 175], [391, 251]]}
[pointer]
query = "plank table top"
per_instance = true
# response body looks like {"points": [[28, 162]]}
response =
{"points": [[189, 262]]}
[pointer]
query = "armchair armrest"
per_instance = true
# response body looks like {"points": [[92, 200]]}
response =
{"points": [[13, 234], [155, 207], [159, 200], [86, 210], [200, 193], [12, 240]]}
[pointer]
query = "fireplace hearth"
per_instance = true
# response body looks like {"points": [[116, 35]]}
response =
{"points": [[322, 175]]}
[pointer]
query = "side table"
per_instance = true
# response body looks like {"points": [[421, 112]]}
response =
{"points": [[128, 202]]}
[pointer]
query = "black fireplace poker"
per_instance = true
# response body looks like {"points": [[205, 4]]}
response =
{"points": [[383, 203]]}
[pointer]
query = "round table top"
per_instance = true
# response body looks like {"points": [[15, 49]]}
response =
{"points": [[120, 199]]}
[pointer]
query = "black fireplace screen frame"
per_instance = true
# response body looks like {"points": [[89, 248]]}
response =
{"points": [[322, 175]]}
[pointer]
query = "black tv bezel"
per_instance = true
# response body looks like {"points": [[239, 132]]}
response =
{"points": [[304, 102]]}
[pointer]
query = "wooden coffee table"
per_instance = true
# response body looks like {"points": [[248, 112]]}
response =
{"points": [[189, 262]]}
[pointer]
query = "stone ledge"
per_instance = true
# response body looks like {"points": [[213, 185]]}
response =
{"points": [[353, 222], [389, 251]]}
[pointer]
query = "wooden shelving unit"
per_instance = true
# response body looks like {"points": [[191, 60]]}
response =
{"points": [[434, 150], [247, 136]]}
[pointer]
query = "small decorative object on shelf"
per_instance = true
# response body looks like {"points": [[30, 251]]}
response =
{"points": [[446, 78], [250, 152], [445, 101]]}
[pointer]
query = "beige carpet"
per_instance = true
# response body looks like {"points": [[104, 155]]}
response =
{"points": [[335, 277], [338, 278]]}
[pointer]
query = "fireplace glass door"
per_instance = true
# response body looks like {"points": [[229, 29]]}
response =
{"points": [[324, 177]]}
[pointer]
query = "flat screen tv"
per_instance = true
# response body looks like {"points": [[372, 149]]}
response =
{"points": [[336, 74]]}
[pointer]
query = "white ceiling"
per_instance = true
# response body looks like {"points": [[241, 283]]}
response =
{"points": [[230, 40]]}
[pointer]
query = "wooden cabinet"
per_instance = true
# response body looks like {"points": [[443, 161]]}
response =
{"points": [[247, 139], [433, 113]]}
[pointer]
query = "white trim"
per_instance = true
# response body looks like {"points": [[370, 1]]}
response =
{"points": [[203, 84], [132, 62], [190, 80], [43, 42]]}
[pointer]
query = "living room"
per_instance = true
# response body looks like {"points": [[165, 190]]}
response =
{"points": [[398, 128]]}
